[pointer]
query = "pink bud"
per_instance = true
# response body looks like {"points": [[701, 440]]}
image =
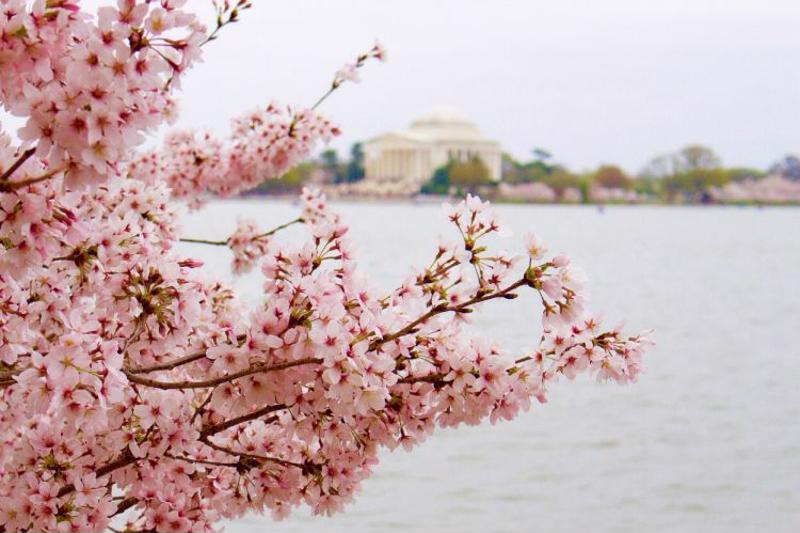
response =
{"points": [[190, 263]]}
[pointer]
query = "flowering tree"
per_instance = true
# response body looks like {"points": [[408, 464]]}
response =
{"points": [[133, 389]]}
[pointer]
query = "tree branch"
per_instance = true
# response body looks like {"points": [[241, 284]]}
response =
{"points": [[222, 426], [11, 186], [18, 163], [126, 458], [205, 241], [276, 229], [7, 378], [255, 369], [230, 451], [411, 327], [168, 365], [299, 220], [430, 378], [195, 460], [124, 505]]}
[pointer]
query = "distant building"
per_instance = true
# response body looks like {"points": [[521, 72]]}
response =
{"points": [[401, 161]]}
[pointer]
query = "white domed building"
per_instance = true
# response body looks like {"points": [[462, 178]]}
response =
{"points": [[400, 162]]}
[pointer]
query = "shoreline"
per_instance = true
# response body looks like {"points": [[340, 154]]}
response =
{"points": [[438, 200]]}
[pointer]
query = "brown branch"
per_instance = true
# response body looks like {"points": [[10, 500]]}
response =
{"points": [[195, 460], [126, 458], [439, 309], [222, 426], [273, 231], [204, 384], [168, 365], [202, 407], [18, 163], [7, 378], [124, 505], [230, 451], [276, 229], [430, 378], [325, 96], [205, 241], [10, 186], [233, 16]]}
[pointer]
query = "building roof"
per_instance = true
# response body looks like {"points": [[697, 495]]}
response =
{"points": [[440, 125]]}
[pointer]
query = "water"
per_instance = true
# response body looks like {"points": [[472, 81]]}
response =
{"points": [[707, 440]]}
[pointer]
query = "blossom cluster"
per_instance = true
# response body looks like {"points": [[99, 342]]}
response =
{"points": [[138, 392], [264, 144], [91, 90]]}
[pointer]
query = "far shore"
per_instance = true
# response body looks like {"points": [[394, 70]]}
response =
{"points": [[437, 200]]}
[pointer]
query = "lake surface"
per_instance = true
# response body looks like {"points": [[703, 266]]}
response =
{"points": [[708, 440]]}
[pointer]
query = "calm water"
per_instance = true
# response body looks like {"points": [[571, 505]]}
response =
{"points": [[707, 440]]}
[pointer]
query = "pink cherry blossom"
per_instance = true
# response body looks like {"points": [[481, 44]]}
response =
{"points": [[136, 391]]}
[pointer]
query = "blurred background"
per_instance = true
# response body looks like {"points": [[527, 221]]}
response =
{"points": [[670, 128], [617, 81]]}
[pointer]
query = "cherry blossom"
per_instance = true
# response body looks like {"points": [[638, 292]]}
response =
{"points": [[140, 393]]}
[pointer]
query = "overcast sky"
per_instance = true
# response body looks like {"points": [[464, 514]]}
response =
{"points": [[592, 81]]}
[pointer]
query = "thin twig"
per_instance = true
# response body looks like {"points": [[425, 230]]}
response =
{"points": [[195, 460], [325, 96], [299, 220], [411, 327], [205, 241], [273, 231]]}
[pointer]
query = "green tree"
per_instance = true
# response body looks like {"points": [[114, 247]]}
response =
{"points": [[694, 184], [739, 174], [440, 181], [646, 186], [562, 179], [329, 161], [355, 168], [291, 182], [469, 175], [540, 154], [687, 159], [534, 170], [696, 157], [611, 177], [688, 173], [464, 176]]}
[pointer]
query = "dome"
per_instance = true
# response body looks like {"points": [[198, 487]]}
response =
{"points": [[446, 124], [443, 116]]}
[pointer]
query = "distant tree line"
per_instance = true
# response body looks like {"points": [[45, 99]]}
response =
{"points": [[458, 177], [686, 175]]}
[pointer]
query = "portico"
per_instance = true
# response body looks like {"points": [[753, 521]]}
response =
{"points": [[404, 160]]}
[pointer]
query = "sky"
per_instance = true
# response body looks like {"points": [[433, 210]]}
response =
{"points": [[593, 82]]}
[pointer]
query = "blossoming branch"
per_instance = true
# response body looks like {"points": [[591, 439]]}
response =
{"points": [[138, 394]]}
